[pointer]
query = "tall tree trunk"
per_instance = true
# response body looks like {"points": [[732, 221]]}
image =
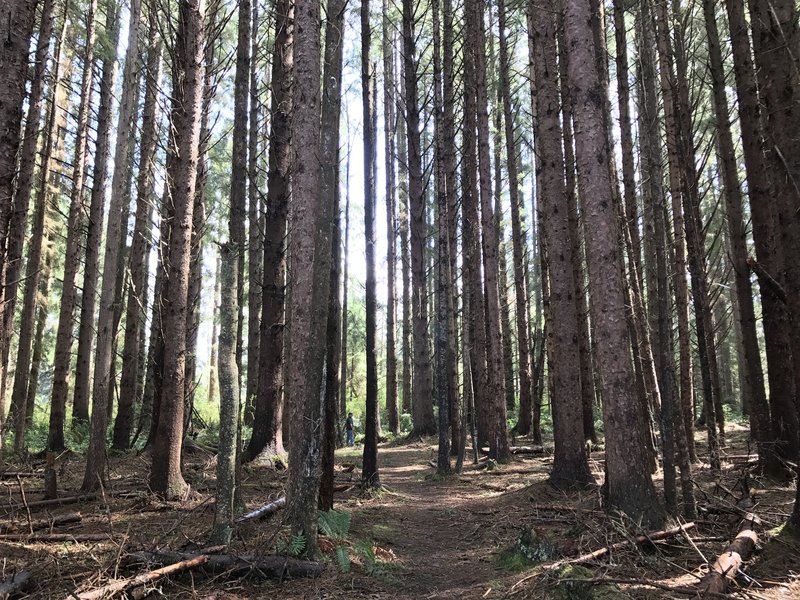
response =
{"points": [[331, 112], [405, 252], [94, 235], [422, 405], [629, 485], [753, 375], [64, 333], [268, 414], [213, 361], [369, 472], [165, 476], [517, 235], [16, 28], [33, 274], [12, 267], [389, 124], [255, 215], [498, 437], [140, 246], [345, 281], [570, 464], [230, 401], [309, 259], [237, 217]]}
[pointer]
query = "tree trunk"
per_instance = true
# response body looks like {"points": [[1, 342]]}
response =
{"points": [[309, 259], [570, 464], [213, 361], [268, 414], [369, 471], [331, 112], [422, 405], [165, 477], [136, 307], [230, 401], [629, 485], [64, 333]]}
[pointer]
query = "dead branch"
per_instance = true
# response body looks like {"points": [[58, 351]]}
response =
{"points": [[263, 511], [108, 591], [41, 523], [14, 585], [46, 538], [768, 280], [17, 474], [60, 501], [266, 567], [730, 561]]}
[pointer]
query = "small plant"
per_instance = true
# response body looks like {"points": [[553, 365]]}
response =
{"points": [[529, 549], [335, 525], [293, 547]]}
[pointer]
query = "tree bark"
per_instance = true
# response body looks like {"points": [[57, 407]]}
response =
{"points": [[165, 476], [629, 485], [268, 414], [64, 333]]}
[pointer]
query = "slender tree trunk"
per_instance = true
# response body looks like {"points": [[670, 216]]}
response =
{"points": [[64, 333], [140, 246], [331, 112], [405, 253], [369, 472], [309, 258], [268, 415], [570, 464], [345, 281], [165, 476], [389, 123], [422, 405], [230, 401], [91, 269], [213, 361], [629, 485], [255, 211], [33, 274]]}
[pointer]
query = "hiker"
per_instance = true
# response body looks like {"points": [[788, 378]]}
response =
{"points": [[348, 428]]}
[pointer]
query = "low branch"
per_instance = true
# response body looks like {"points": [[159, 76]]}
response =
{"points": [[265, 567], [108, 591], [765, 279]]}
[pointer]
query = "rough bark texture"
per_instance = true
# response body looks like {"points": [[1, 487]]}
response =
{"points": [[422, 405], [230, 401], [331, 112], [309, 259], [140, 247], [629, 485], [165, 477], [268, 414], [570, 464], [64, 333]]}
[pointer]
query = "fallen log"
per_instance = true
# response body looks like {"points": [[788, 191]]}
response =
{"points": [[343, 487], [37, 524], [728, 563], [263, 511], [14, 585], [650, 537], [531, 450], [21, 474], [108, 591], [44, 538], [265, 567], [36, 504]]}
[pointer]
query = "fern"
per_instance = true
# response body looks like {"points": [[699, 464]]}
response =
{"points": [[335, 524], [343, 559], [294, 547]]}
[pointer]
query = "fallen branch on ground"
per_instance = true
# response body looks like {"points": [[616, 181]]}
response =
{"points": [[14, 585], [41, 523], [263, 511], [44, 538], [16, 474], [266, 567], [730, 561], [649, 537], [109, 590], [58, 501]]}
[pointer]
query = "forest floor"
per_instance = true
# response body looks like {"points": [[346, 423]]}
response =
{"points": [[420, 537]]}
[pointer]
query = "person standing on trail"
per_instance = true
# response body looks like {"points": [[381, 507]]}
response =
{"points": [[348, 428]]}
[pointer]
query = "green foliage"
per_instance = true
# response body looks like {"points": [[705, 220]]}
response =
{"points": [[343, 558], [335, 524], [575, 583], [294, 546]]}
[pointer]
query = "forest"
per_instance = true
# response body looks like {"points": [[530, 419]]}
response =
{"points": [[400, 299]]}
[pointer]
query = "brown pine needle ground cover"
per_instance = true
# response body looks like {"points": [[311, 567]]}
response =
{"points": [[467, 536]]}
